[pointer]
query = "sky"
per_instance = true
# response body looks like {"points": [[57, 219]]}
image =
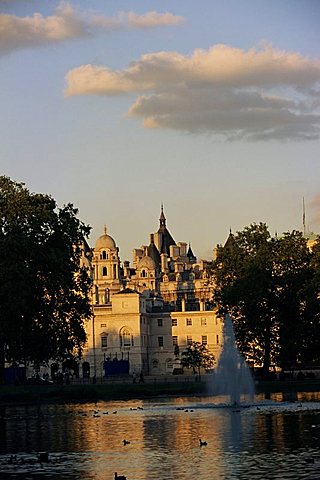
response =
{"points": [[211, 108]]}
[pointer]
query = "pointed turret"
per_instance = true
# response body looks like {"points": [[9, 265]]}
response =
{"points": [[190, 255], [153, 252], [162, 218], [230, 240], [164, 237]]}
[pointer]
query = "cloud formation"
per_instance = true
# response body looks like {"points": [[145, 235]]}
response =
{"points": [[256, 94], [68, 23]]}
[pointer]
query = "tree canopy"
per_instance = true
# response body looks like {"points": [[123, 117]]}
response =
{"points": [[44, 285], [270, 287]]}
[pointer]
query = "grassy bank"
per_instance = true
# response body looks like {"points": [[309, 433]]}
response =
{"points": [[288, 386], [119, 391], [79, 393]]}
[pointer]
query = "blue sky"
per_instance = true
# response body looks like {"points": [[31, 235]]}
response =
{"points": [[209, 107]]}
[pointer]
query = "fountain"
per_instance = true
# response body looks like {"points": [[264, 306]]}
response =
{"points": [[232, 375]]}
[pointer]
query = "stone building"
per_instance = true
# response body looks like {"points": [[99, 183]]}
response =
{"points": [[144, 314]]}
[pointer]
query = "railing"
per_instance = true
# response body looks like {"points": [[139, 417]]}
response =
{"points": [[148, 379]]}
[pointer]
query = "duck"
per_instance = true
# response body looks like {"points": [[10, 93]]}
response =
{"points": [[202, 443], [126, 442], [119, 477], [43, 457]]}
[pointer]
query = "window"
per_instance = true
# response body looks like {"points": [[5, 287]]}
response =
{"points": [[174, 322], [189, 321], [160, 322], [204, 340], [104, 341], [174, 340], [217, 337], [189, 340], [103, 325], [203, 321], [126, 339], [155, 363], [104, 255], [169, 364], [160, 341], [143, 273], [104, 271]]}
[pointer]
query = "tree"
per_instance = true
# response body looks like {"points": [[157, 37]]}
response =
{"points": [[44, 288], [270, 287], [196, 356], [243, 285]]}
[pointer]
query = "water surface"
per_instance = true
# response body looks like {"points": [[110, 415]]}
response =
{"points": [[270, 440]]}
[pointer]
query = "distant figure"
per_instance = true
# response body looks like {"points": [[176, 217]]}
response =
{"points": [[202, 443], [126, 442], [141, 379], [134, 377]]}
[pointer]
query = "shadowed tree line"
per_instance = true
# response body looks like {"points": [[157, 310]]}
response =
{"points": [[270, 286], [44, 290]]}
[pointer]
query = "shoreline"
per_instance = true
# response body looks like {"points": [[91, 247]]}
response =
{"points": [[78, 393]]}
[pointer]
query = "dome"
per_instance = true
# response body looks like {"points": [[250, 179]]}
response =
{"points": [[146, 262], [105, 241]]}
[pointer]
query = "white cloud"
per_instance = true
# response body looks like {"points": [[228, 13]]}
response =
{"points": [[68, 23], [153, 19], [255, 94]]}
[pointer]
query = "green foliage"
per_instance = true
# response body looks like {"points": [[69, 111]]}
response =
{"points": [[196, 356], [44, 290], [270, 287]]}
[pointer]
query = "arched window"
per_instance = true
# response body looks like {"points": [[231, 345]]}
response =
{"points": [[104, 271], [155, 363], [104, 340], [86, 369], [104, 255], [143, 273], [126, 338], [169, 364]]}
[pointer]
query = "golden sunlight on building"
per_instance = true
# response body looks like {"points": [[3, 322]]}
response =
{"points": [[146, 314]]}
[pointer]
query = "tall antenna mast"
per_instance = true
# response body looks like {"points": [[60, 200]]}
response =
{"points": [[303, 217]]}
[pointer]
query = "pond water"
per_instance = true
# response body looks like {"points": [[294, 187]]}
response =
{"points": [[273, 439]]}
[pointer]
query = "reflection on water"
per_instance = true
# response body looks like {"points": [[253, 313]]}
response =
{"points": [[274, 439]]}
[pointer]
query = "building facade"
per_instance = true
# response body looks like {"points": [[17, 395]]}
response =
{"points": [[147, 313]]}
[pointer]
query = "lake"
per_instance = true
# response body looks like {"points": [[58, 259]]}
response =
{"points": [[273, 439]]}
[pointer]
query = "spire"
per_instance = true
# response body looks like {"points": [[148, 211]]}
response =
{"points": [[190, 253], [105, 229], [162, 218]]}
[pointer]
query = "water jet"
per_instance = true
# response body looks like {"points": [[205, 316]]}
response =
{"points": [[232, 376]]}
